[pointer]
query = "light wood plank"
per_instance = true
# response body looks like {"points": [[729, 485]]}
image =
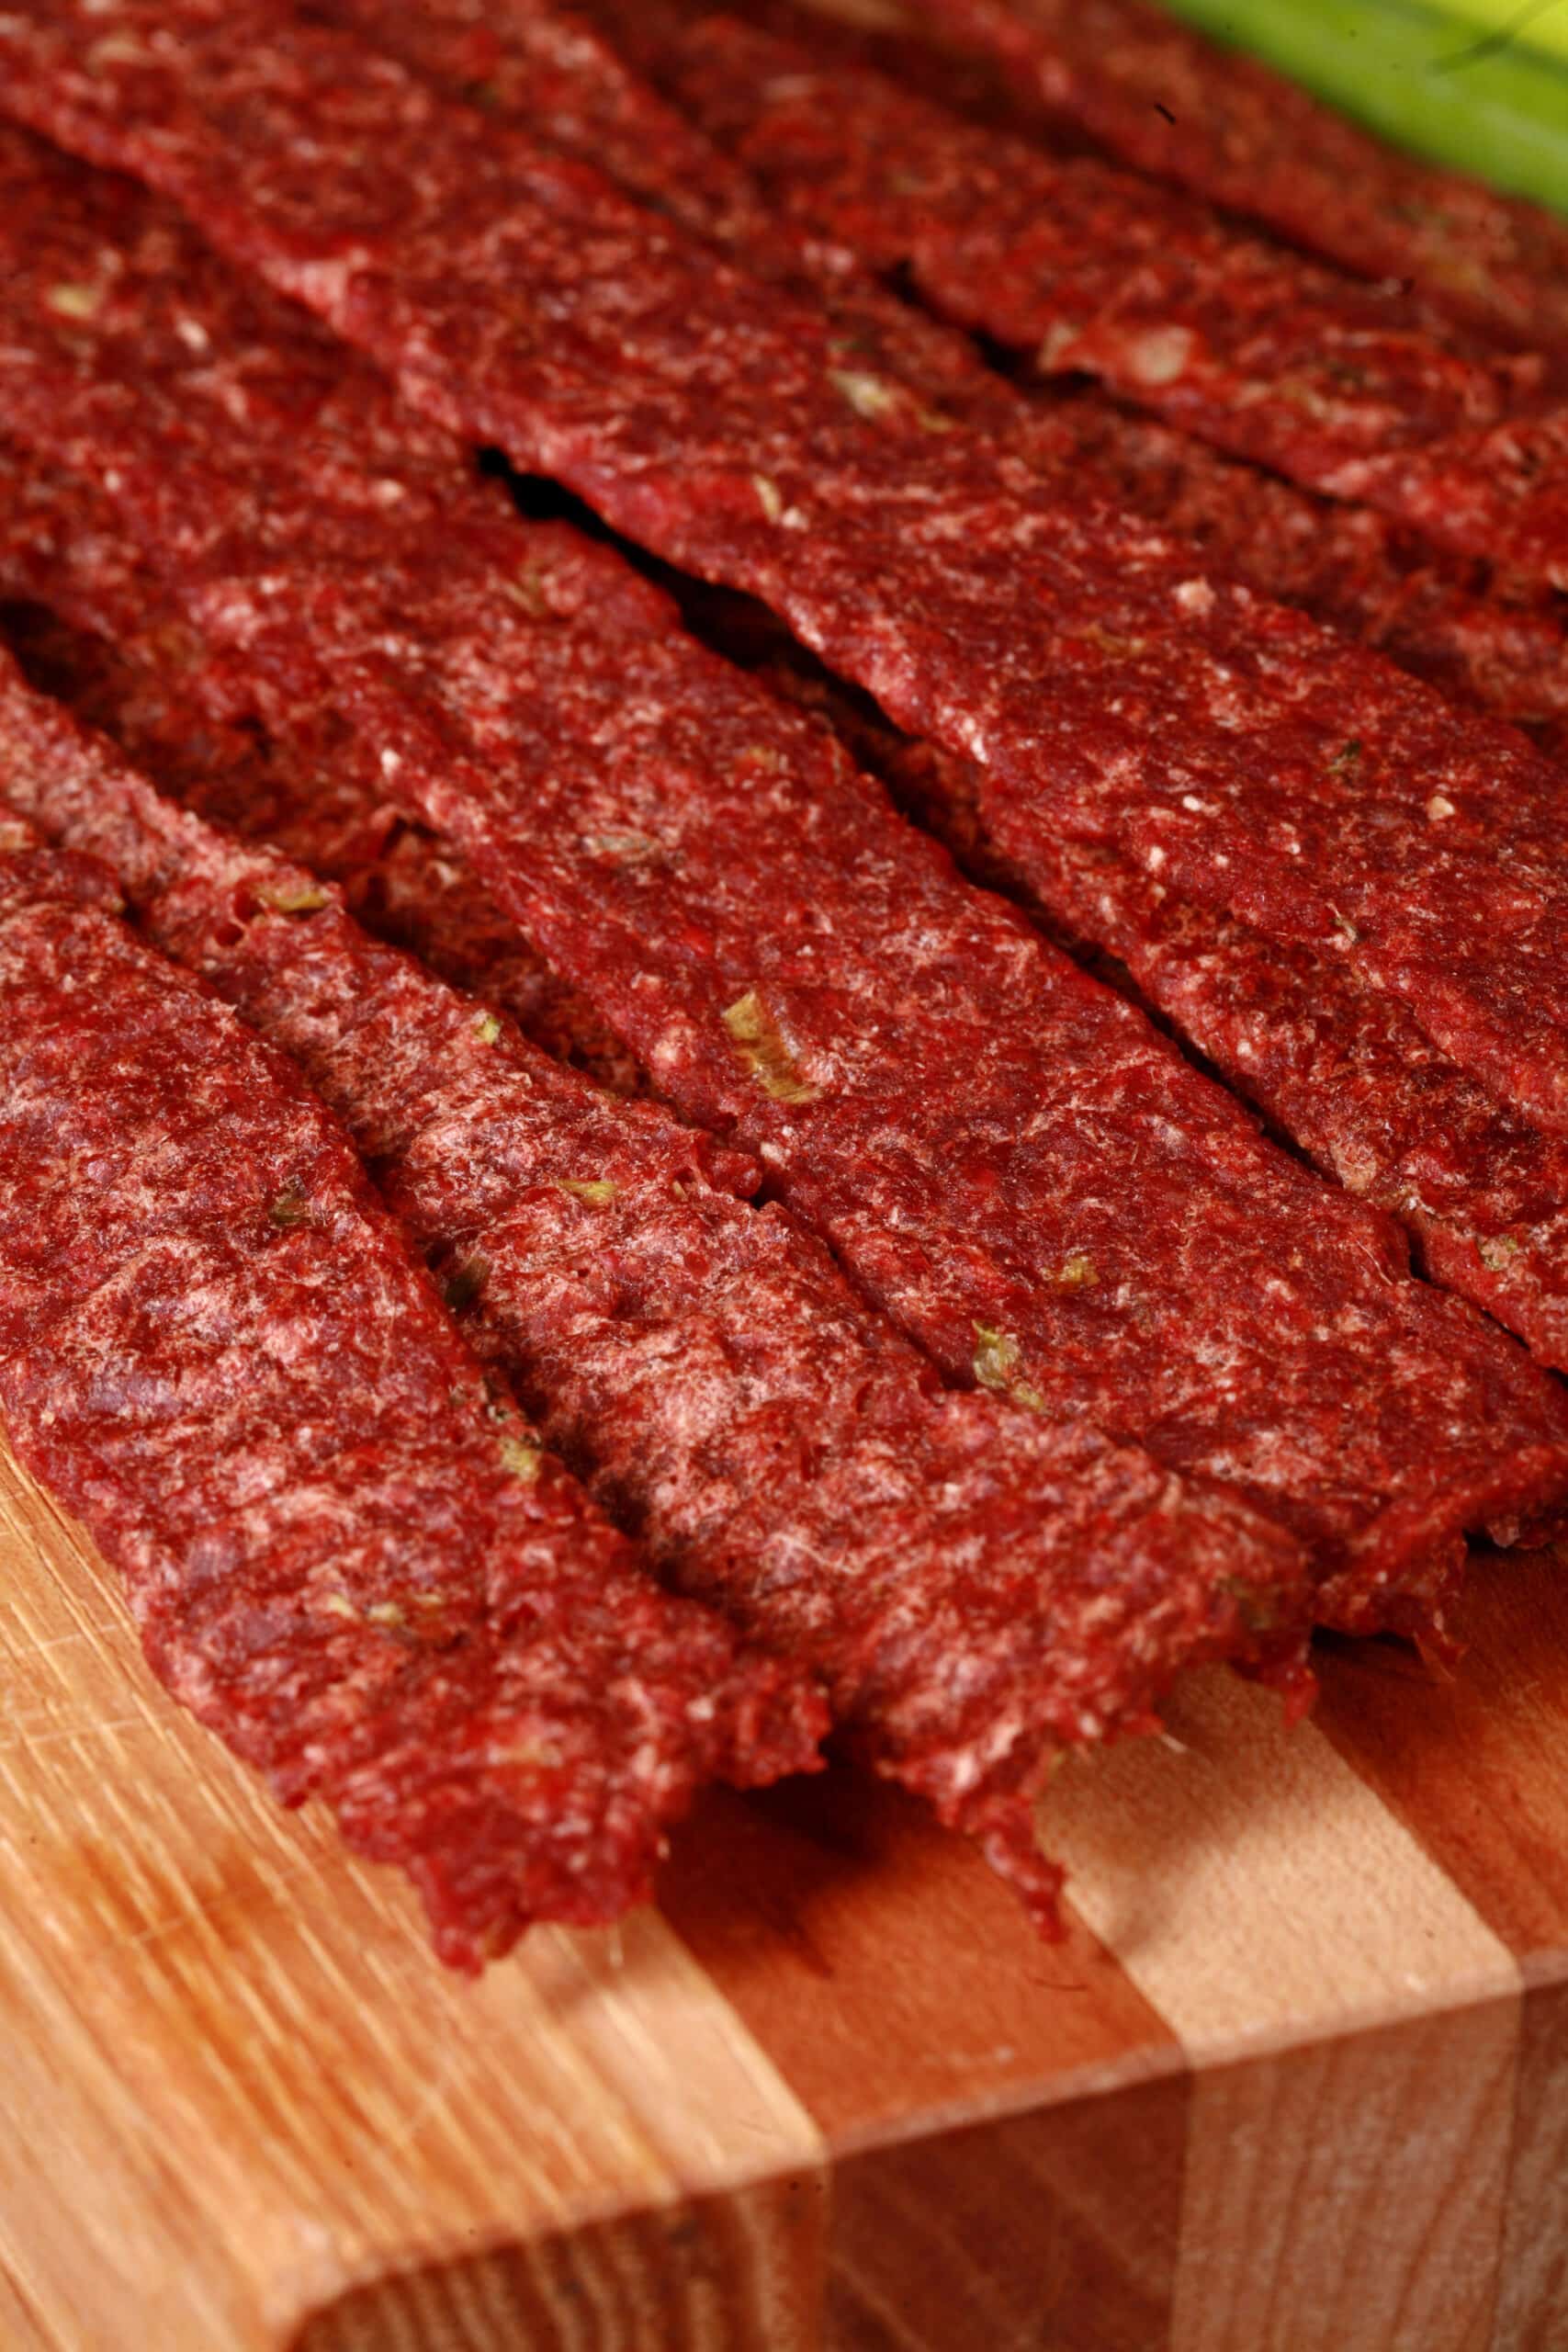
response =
{"points": [[1349, 2195], [1057, 2227], [892, 1977], [1472, 1762], [1351, 2021], [1532, 2300], [1008, 2118], [238, 2037], [20, 2327], [1476, 1766]]}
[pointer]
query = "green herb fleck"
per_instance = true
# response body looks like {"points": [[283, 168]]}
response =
{"points": [[1108, 641], [998, 1358], [597, 1191], [486, 1028], [290, 1208], [1497, 1249], [868, 395], [538, 1755], [760, 1044], [528, 590], [74, 302], [627, 849], [520, 1458], [1076, 1273], [1346, 757], [297, 899]]}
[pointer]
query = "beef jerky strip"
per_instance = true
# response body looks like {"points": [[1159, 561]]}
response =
{"points": [[1008, 1159], [1437, 614], [61, 546], [1299, 784], [1486, 1218], [956, 72], [550, 68], [1351, 389], [1444, 619], [1332, 382], [977, 1589], [1341, 1070], [343, 1548], [1174, 104]]}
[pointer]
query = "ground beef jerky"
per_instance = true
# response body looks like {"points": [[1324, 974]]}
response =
{"points": [[190, 714], [978, 1590], [1341, 386], [1340, 1070], [1174, 104], [1315, 795], [956, 74], [1440, 616], [344, 1547], [1011, 1162], [1451, 622], [549, 68]]}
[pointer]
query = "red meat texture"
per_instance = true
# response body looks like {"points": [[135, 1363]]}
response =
{"points": [[520, 296], [1009, 1159], [342, 1545], [977, 1589]]}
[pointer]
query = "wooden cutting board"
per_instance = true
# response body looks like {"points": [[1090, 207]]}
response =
{"points": [[1297, 2082]]}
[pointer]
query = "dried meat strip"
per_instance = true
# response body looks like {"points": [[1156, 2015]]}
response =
{"points": [[1347, 388], [1273, 771], [1479, 1189], [1448, 621], [345, 1550], [1009, 1160], [1176, 105], [977, 1591], [1339, 1069], [548, 67], [61, 548], [1438, 615]]}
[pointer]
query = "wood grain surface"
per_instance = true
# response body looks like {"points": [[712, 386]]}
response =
{"points": [[1298, 2078], [238, 2088]]}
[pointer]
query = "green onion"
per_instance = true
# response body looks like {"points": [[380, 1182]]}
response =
{"points": [[1534, 24], [1485, 102]]}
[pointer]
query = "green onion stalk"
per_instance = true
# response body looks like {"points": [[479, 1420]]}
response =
{"points": [[1477, 94]]}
